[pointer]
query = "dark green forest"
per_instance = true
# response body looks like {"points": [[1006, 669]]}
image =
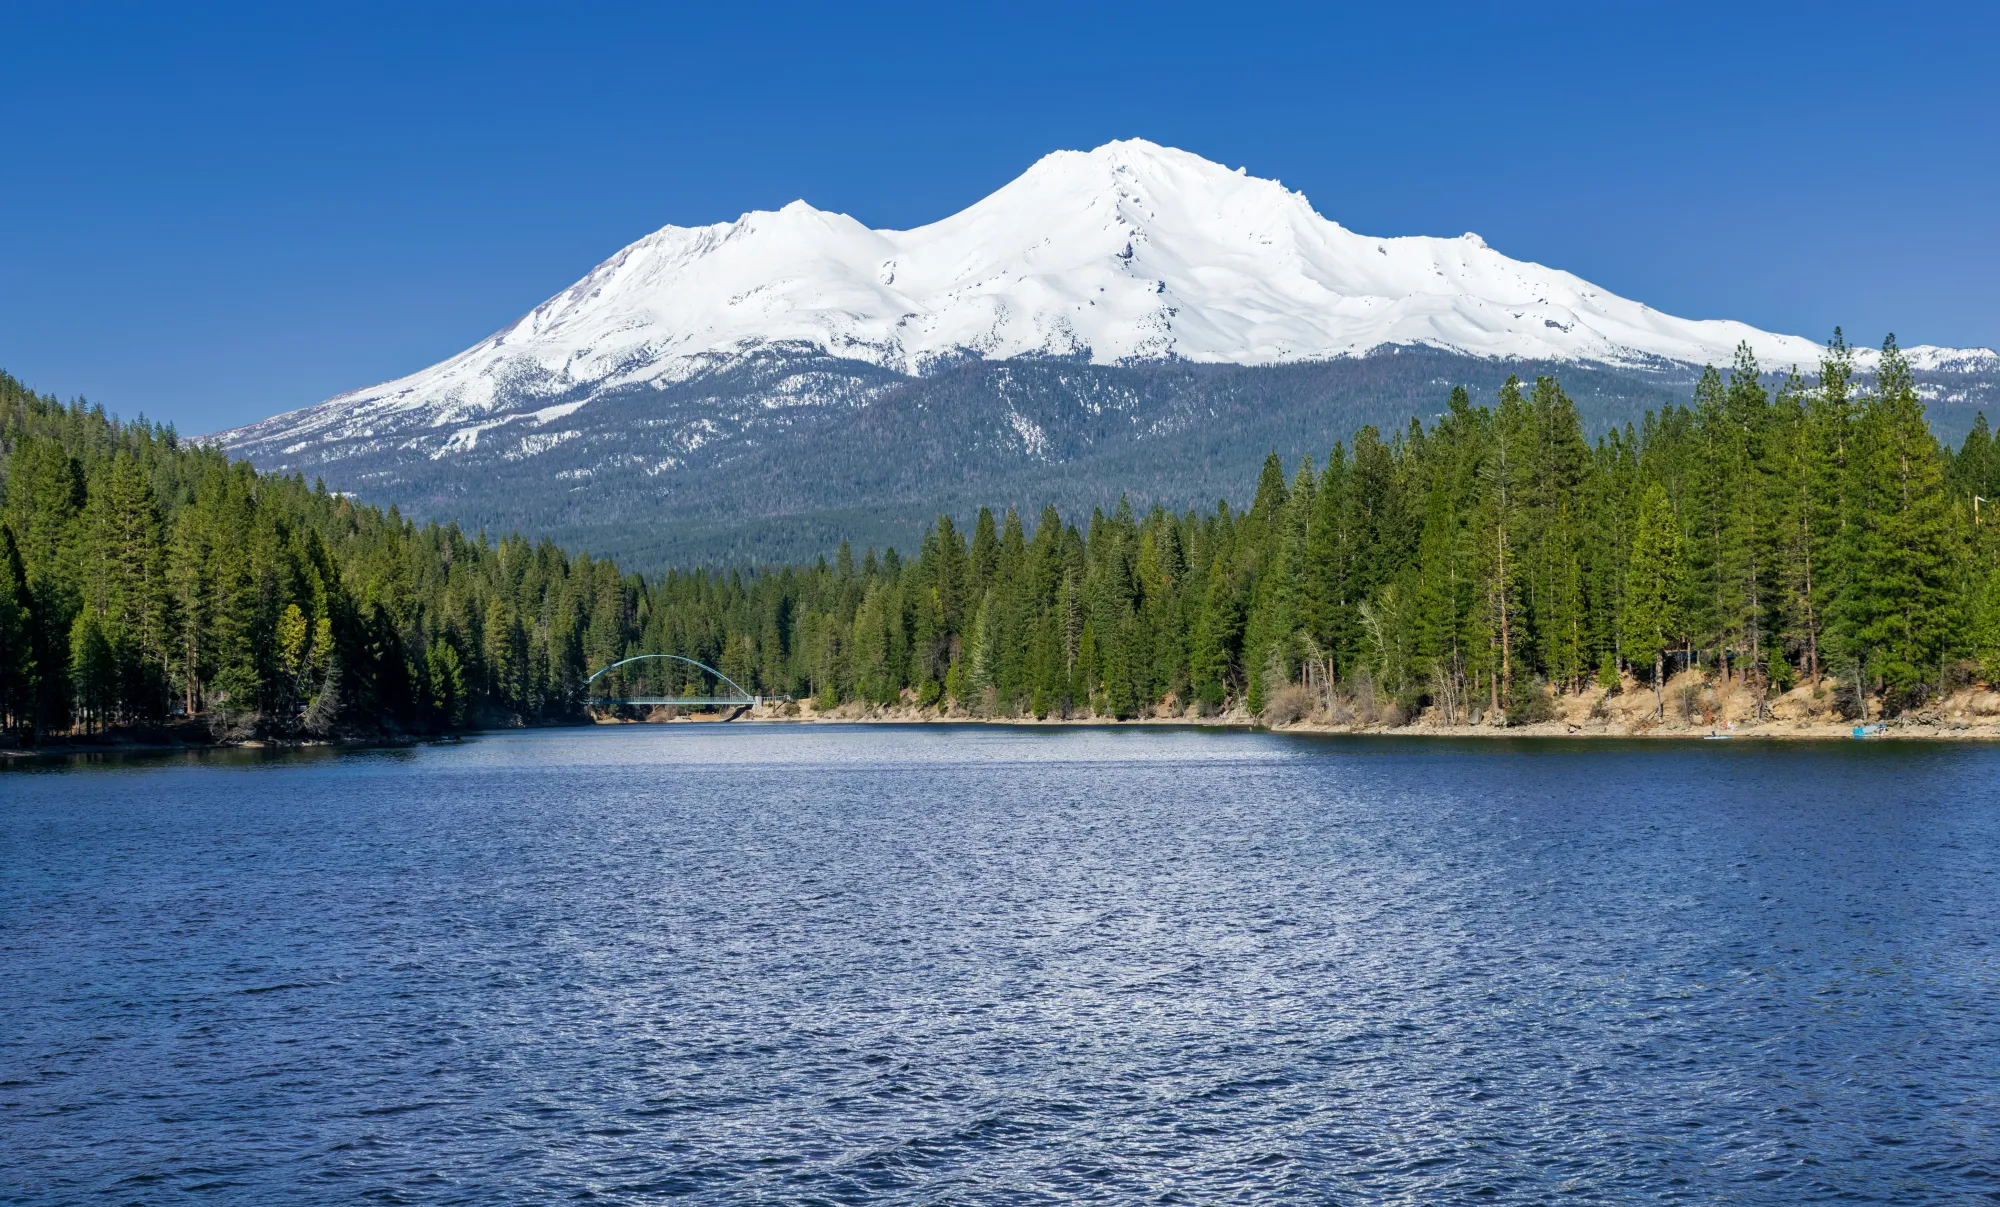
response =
{"points": [[1767, 533]]}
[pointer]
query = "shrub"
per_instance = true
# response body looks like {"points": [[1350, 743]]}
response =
{"points": [[1287, 705], [1529, 702], [1407, 704], [1779, 671], [1362, 687]]}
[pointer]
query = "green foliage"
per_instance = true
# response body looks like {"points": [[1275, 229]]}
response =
{"points": [[1656, 583], [1776, 535], [142, 579], [1903, 601], [1529, 703]]}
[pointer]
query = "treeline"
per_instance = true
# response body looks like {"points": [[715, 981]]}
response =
{"points": [[1815, 532], [144, 579]]}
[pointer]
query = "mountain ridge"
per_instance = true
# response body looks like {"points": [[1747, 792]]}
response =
{"points": [[696, 348], [1073, 257]]}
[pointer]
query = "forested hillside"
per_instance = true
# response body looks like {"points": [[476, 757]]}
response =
{"points": [[143, 578], [710, 472], [1813, 532]]}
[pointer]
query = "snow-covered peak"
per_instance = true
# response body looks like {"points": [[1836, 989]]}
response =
{"points": [[1131, 251]]}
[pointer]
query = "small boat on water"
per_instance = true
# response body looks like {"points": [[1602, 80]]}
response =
{"points": [[1864, 731]]}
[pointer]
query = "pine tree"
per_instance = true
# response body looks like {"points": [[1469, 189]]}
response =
{"points": [[1558, 465], [1905, 604], [1445, 605], [1219, 633], [1972, 467], [1500, 527], [1325, 595], [1829, 524], [1276, 567], [19, 670], [122, 572], [1378, 539], [1655, 588], [1162, 572], [237, 628], [93, 666], [192, 597], [1744, 582], [1565, 654], [444, 673], [44, 507]]}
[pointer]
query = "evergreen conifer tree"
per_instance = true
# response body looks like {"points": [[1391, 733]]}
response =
{"points": [[1904, 604], [1655, 588]]}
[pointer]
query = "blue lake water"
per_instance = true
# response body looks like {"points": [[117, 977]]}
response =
{"points": [[765, 964]]}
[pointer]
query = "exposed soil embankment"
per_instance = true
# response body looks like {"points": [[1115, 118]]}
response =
{"points": [[1689, 706]]}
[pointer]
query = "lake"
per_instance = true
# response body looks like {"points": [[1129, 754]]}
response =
{"points": [[928, 964]]}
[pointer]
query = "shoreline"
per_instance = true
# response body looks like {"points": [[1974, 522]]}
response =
{"points": [[1695, 709], [1983, 729], [1774, 732], [1809, 729], [115, 746]]}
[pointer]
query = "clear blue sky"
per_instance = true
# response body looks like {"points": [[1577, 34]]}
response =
{"points": [[212, 217]]}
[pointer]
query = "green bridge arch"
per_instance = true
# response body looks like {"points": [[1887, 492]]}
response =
{"points": [[741, 697]]}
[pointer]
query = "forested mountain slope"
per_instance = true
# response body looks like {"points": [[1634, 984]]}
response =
{"points": [[142, 577], [1818, 531]]}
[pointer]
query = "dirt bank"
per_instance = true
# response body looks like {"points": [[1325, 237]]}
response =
{"points": [[1688, 707]]}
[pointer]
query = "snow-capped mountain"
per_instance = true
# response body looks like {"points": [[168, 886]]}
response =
{"points": [[696, 343]]}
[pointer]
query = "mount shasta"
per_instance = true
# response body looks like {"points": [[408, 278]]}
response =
{"points": [[1131, 318]]}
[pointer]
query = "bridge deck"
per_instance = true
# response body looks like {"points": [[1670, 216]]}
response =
{"points": [[684, 701]]}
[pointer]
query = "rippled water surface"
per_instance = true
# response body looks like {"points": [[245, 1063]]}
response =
{"points": [[962, 965]]}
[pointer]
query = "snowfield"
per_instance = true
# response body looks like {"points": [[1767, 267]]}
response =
{"points": [[1132, 252]]}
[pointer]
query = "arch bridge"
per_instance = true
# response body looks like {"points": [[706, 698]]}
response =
{"points": [[741, 700]]}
